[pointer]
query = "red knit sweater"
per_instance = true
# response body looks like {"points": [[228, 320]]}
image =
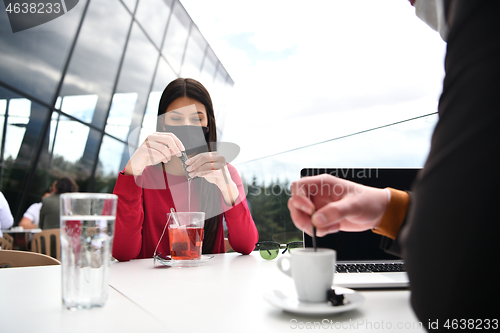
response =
{"points": [[143, 204]]}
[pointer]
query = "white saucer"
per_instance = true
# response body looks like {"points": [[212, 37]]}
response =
{"points": [[185, 263], [352, 300]]}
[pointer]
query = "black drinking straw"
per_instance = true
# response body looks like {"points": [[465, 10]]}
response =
{"points": [[314, 239]]}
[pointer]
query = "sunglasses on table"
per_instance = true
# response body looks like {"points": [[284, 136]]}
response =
{"points": [[269, 250]]}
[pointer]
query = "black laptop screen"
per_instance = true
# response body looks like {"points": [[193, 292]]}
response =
{"points": [[361, 245]]}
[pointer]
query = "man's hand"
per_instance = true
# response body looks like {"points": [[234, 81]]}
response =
{"points": [[334, 204]]}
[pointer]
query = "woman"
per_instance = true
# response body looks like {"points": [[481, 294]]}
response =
{"points": [[154, 180]]}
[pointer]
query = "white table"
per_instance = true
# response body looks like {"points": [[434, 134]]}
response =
{"points": [[30, 301], [226, 295], [223, 295]]}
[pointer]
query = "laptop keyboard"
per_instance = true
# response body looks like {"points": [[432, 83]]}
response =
{"points": [[370, 268]]}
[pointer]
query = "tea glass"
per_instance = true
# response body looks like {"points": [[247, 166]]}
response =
{"points": [[185, 235]]}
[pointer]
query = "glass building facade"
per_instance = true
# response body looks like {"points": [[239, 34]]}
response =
{"points": [[79, 93]]}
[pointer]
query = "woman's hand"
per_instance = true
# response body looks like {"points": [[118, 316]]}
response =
{"points": [[158, 147], [332, 204], [212, 166]]}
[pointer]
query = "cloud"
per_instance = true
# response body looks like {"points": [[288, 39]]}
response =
{"points": [[336, 67]]}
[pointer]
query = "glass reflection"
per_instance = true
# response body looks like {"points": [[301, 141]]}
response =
{"points": [[68, 151], [153, 16], [3, 109], [176, 37], [69, 143], [135, 80], [106, 76], [33, 60], [120, 114], [24, 120], [149, 120], [108, 166], [164, 75], [19, 110], [96, 58], [208, 71], [81, 107], [195, 52], [219, 89], [130, 4], [54, 122]]}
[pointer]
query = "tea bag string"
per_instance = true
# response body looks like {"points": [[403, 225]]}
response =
{"points": [[174, 215], [163, 232]]}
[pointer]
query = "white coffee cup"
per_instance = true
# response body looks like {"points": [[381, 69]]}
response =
{"points": [[311, 271]]}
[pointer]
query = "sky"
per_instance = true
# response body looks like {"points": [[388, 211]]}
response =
{"points": [[310, 71]]}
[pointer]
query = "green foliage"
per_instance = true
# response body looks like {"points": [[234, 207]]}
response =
{"points": [[268, 206]]}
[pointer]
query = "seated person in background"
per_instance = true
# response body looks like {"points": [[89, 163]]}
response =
{"points": [[32, 215], [49, 213], [6, 218], [154, 180]]}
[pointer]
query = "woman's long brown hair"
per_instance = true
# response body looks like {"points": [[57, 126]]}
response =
{"points": [[184, 87]]}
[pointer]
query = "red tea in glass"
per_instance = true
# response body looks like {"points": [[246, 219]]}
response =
{"points": [[185, 242]]}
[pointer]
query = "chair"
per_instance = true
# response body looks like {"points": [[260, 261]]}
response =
{"points": [[9, 239], [228, 247], [5, 244], [9, 258], [47, 242]]}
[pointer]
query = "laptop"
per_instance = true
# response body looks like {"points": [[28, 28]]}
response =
{"points": [[361, 263]]}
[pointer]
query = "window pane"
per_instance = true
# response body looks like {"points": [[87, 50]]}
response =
{"points": [[81, 106], [94, 64], [149, 121], [54, 121], [19, 112], [221, 77], [3, 109], [219, 88], [69, 143], [176, 37], [32, 60], [120, 115], [135, 80], [208, 72], [130, 4], [108, 165], [153, 16], [25, 122], [195, 52], [164, 75], [69, 155]]}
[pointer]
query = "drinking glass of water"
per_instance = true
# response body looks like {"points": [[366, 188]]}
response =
{"points": [[87, 231]]}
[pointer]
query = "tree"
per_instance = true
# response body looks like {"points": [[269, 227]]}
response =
{"points": [[268, 206]]}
